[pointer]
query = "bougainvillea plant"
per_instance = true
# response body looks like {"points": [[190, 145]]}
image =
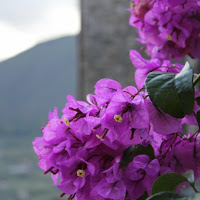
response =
{"points": [[168, 28], [128, 143]]}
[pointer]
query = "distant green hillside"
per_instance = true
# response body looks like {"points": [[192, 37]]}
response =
{"points": [[35, 81]]}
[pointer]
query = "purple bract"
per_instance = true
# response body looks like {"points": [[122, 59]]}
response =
{"points": [[167, 28]]}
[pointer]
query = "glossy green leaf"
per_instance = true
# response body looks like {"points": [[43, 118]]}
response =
{"points": [[135, 150], [198, 117], [197, 17], [189, 175], [197, 184], [187, 190], [168, 182], [172, 93], [148, 150], [144, 196], [198, 100], [168, 196], [127, 156], [173, 196], [195, 197]]}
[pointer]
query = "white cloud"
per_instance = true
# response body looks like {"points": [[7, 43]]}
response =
{"points": [[54, 19], [24, 12], [57, 20], [13, 41]]}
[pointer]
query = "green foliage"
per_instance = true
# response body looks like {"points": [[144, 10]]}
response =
{"points": [[168, 182], [187, 190], [189, 175], [197, 185], [173, 196], [166, 185], [198, 100], [197, 17], [127, 156], [135, 150], [144, 196], [198, 117], [167, 196], [148, 150], [173, 93]]}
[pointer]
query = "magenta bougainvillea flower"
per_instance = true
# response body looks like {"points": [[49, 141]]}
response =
{"points": [[144, 67], [178, 153], [115, 145], [140, 175], [167, 28], [83, 149]]}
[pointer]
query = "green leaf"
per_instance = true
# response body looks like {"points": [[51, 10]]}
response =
{"points": [[168, 182], [195, 197], [197, 185], [189, 175], [133, 151], [127, 156], [148, 150], [197, 17], [167, 196], [173, 93], [198, 117], [173, 196], [144, 196], [187, 190], [198, 100]]}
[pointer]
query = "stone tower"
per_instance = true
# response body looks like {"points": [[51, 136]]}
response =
{"points": [[105, 40]]}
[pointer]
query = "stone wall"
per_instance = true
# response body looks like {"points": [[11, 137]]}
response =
{"points": [[105, 40]]}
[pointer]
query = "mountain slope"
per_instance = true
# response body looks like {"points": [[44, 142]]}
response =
{"points": [[35, 81]]}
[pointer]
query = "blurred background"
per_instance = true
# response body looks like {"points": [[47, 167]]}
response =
{"points": [[49, 49], [38, 68]]}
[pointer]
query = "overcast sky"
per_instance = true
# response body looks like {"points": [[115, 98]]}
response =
{"points": [[24, 23]]}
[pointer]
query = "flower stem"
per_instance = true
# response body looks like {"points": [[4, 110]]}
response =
{"points": [[197, 79]]}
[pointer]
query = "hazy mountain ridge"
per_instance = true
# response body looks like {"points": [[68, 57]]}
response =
{"points": [[35, 81]]}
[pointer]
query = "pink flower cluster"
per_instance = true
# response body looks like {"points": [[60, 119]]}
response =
{"points": [[179, 154], [91, 150], [83, 149], [168, 28]]}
